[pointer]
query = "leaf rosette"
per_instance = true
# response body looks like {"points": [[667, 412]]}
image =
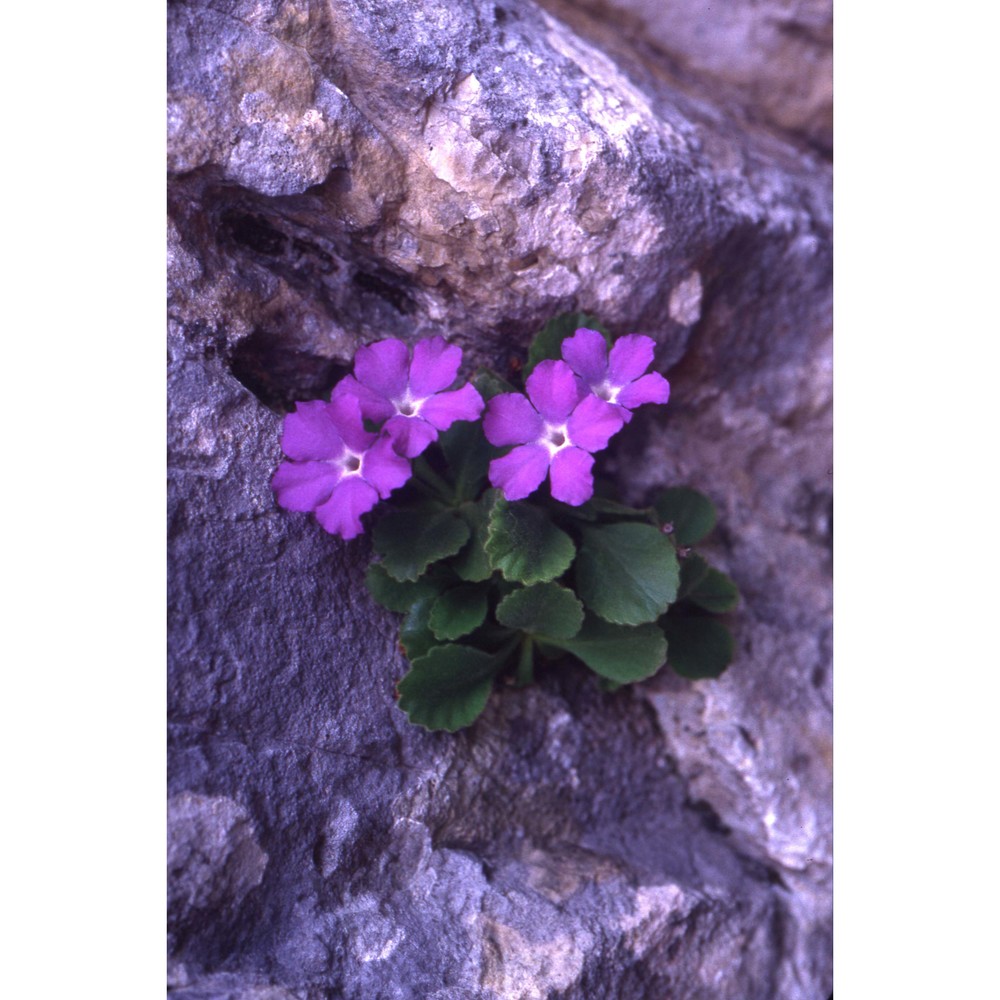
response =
{"points": [[497, 547]]}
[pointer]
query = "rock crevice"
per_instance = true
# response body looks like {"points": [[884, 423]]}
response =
{"points": [[344, 172]]}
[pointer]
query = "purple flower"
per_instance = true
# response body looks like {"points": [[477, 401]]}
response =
{"points": [[557, 428], [408, 393], [618, 376], [337, 468]]}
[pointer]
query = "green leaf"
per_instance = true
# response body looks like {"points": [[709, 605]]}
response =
{"points": [[415, 635], [620, 512], [426, 479], [458, 611], [544, 609], [448, 688], [525, 545], [468, 455], [693, 570], [690, 512], [715, 592], [699, 646], [548, 341], [490, 384], [617, 652], [472, 563], [564, 511], [397, 595], [492, 637], [627, 573], [410, 540]]}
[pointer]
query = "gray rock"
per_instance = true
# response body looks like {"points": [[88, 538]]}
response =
{"points": [[341, 172], [212, 856], [766, 60]]}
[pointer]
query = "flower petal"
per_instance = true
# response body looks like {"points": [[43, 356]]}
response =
{"points": [[651, 388], [554, 390], [309, 433], [630, 356], [341, 514], [383, 367], [443, 409], [521, 472], [593, 423], [409, 435], [586, 352], [383, 468], [570, 476], [304, 486], [511, 419], [345, 413], [434, 367], [373, 406]]}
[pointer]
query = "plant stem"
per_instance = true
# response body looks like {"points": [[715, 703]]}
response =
{"points": [[525, 663], [423, 472]]}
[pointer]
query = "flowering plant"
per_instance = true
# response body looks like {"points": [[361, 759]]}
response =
{"points": [[491, 582]]}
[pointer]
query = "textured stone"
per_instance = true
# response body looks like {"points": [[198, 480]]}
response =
{"points": [[486, 168], [344, 171], [772, 59], [212, 856]]}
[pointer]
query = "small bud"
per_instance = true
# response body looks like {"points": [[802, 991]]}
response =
{"points": [[668, 528]]}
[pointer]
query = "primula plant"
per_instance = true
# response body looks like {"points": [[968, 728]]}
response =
{"points": [[490, 539]]}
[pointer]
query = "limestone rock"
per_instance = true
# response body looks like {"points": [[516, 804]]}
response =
{"points": [[212, 856], [341, 172], [771, 59], [471, 168]]}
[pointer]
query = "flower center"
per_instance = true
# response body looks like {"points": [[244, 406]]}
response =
{"points": [[607, 392], [406, 405], [350, 463], [555, 437]]}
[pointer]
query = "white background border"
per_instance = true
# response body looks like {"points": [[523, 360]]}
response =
{"points": [[83, 703]]}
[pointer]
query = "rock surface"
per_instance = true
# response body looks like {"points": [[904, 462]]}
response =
{"points": [[768, 60], [344, 171]]}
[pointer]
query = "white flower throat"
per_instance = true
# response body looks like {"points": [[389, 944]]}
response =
{"points": [[607, 391], [555, 437], [407, 405], [350, 462]]}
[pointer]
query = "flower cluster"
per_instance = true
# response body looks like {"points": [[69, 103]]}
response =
{"points": [[337, 468], [572, 409], [494, 585]]}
